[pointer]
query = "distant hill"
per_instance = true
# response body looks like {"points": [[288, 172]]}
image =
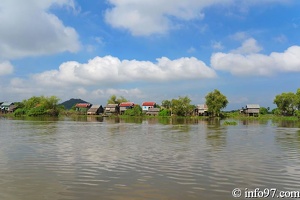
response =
{"points": [[70, 103]]}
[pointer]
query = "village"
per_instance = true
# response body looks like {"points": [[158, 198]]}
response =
{"points": [[149, 108]]}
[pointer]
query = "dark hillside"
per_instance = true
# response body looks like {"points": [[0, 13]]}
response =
{"points": [[72, 102]]}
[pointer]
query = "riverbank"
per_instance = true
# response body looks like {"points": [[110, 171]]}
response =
{"points": [[225, 116]]}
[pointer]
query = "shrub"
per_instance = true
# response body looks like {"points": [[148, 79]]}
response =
{"points": [[164, 113], [135, 111], [228, 123], [40, 110], [20, 112]]}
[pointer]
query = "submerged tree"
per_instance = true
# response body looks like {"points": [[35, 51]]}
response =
{"points": [[216, 101]]}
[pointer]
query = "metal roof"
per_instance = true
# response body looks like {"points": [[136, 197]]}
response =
{"points": [[149, 103], [7, 104], [82, 105], [252, 106], [202, 106], [96, 106], [126, 104], [111, 105]]}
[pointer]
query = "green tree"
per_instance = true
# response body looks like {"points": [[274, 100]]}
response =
{"points": [[276, 111], [297, 99], [135, 111], [216, 101], [286, 103], [114, 100], [263, 110], [181, 106], [166, 104], [35, 106]]}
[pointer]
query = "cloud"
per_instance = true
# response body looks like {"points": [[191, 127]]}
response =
{"points": [[129, 94], [18, 89], [255, 64], [28, 28], [101, 77], [143, 18], [154, 16], [110, 70], [281, 39], [217, 45], [249, 46], [191, 50], [240, 36], [6, 68]]}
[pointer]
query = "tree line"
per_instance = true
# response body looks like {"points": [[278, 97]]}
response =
{"points": [[288, 104]]}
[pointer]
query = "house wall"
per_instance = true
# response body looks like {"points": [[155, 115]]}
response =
{"points": [[252, 110], [146, 108], [122, 109]]}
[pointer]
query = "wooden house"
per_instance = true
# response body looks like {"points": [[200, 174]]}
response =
{"points": [[147, 105], [8, 107], [201, 110], [82, 108], [251, 110], [111, 109], [95, 110], [153, 111], [125, 106]]}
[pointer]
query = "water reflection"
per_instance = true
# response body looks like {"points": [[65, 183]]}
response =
{"points": [[255, 122], [216, 137], [287, 123], [117, 158]]}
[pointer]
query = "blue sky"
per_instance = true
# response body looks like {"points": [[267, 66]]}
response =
{"points": [[150, 50]]}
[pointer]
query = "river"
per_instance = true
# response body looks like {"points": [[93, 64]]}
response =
{"points": [[117, 159]]}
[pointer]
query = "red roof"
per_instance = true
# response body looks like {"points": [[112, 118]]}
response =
{"points": [[126, 104], [82, 105], [149, 103]]}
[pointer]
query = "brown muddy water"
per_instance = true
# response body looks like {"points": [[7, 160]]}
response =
{"points": [[166, 159]]}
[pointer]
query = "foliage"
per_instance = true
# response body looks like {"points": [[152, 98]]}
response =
{"points": [[135, 111], [114, 100], [164, 113], [263, 110], [166, 104], [216, 101], [36, 111], [275, 111], [20, 112], [297, 113], [297, 99], [36, 106], [288, 103], [182, 106]]}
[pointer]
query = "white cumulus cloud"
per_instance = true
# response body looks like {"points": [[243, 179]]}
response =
{"points": [[28, 28], [258, 64], [110, 70], [249, 46]]}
